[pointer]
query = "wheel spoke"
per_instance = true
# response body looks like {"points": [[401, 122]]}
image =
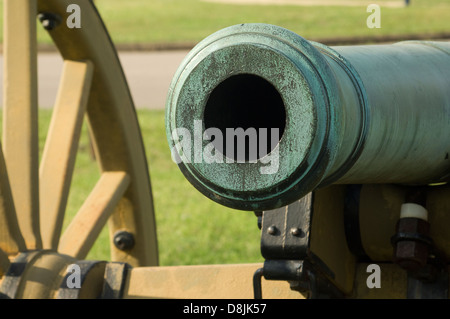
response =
{"points": [[4, 263], [84, 229], [114, 126], [59, 155], [20, 128], [11, 240]]}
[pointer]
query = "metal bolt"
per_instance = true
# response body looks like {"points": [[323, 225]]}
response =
{"points": [[123, 240], [411, 243], [49, 20], [295, 231], [271, 230]]}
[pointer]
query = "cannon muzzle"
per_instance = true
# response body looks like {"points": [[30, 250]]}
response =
{"points": [[257, 116]]}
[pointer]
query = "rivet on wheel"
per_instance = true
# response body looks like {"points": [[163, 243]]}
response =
{"points": [[123, 240]]}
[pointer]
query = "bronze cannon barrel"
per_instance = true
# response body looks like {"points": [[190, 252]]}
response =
{"points": [[258, 117]]}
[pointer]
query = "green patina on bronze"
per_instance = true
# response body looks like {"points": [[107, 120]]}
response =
{"points": [[353, 114]]}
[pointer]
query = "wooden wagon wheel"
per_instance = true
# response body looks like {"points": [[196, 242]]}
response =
{"points": [[33, 193]]}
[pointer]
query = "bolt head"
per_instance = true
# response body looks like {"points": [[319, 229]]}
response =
{"points": [[49, 20], [123, 240], [48, 24], [295, 231], [272, 230]]}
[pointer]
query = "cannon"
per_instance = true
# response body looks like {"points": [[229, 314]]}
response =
{"points": [[343, 152], [342, 115]]}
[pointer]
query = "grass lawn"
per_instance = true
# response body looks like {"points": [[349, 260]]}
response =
{"points": [[191, 228], [193, 20], [160, 21]]}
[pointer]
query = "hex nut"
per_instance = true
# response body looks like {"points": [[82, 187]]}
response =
{"points": [[411, 255], [412, 243]]}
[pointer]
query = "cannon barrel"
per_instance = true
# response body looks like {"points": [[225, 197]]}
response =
{"points": [[257, 116]]}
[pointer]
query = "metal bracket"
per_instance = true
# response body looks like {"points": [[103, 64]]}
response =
{"points": [[13, 278], [285, 231], [109, 279], [302, 276], [114, 281], [88, 269], [285, 240]]}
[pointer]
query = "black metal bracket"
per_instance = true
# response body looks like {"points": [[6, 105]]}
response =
{"points": [[115, 280], [285, 245], [302, 275], [12, 279], [114, 277], [285, 231], [86, 268]]}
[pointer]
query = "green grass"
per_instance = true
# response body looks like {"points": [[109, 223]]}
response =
{"points": [[193, 20], [160, 21], [191, 228]]}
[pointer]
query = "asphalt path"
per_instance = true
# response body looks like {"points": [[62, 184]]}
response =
{"points": [[148, 74]]}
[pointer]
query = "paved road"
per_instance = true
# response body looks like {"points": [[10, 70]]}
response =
{"points": [[148, 74]]}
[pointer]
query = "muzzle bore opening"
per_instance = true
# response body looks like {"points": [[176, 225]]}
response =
{"points": [[250, 114]]}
